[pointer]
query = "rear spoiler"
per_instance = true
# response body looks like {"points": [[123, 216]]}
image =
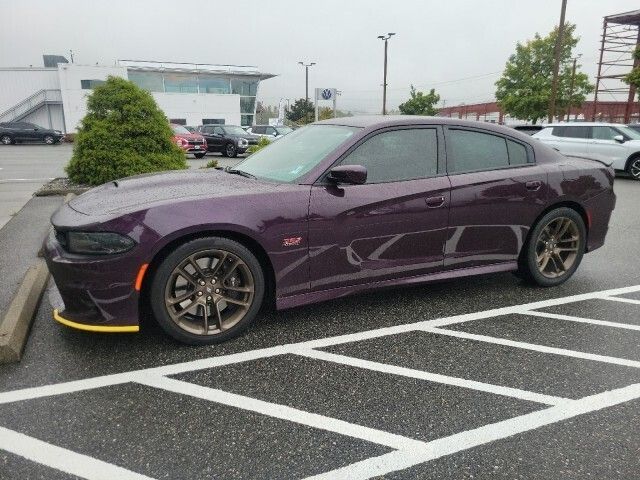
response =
{"points": [[606, 163]]}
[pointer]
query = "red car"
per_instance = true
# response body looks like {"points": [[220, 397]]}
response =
{"points": [[189, 142]]}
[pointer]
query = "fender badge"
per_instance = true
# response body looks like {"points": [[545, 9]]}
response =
{"points": [[291, 241]]}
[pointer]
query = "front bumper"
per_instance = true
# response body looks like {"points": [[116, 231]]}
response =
{"points": [[98, 293]]}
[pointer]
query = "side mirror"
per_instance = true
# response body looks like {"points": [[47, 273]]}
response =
{"points": [[351, 174], [619, 138]]}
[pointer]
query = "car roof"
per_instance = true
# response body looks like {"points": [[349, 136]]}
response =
{"points": [[369, 121], [583, 124]]}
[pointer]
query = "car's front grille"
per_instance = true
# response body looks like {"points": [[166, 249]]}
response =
{"points": [[61, 237], [196, 142]]}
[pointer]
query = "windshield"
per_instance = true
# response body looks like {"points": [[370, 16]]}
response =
{"points": [[284, 130], [234, 130], [178, 129], [296, 153], [630, 132]]}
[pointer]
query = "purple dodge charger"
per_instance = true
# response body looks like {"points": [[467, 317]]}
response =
{"points": [[333, 208]]}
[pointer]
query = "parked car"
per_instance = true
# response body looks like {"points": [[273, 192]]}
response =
{"points": [[614, 144], [230, 140], [334, 208], [529, 129], [19, 132], [189, 142], [191, 129], [269, 131]]}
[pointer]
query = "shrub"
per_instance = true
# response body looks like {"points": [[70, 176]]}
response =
{"points": [[211, 164], [263, 142], [124, 133]]}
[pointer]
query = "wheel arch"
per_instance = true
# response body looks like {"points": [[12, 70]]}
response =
{"points": [[247, 241], [631, 158]]}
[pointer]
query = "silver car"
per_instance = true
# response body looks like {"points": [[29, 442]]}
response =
{"points": [[611, 143]]}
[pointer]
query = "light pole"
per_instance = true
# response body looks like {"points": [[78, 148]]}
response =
{"points": [[572, 85], [384, 84], [557, 51], [306, 67]]}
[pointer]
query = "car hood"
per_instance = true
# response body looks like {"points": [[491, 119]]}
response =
{"points": [[248, 136], [141, 191], [188, 136]]}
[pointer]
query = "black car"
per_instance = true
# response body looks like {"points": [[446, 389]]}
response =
{"points": [[228, 139], [19, 132]]}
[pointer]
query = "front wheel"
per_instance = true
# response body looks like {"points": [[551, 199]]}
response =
{"points": [[554, 249], [49, 140], [6, 140], [230, 150], [633, 168], [207, 291]]}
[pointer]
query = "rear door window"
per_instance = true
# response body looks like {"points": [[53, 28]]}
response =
{"points": [[469, 150], [517, 153], [572, 131]]}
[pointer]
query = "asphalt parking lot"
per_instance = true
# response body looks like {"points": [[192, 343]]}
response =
{"points": [[474, 378]]}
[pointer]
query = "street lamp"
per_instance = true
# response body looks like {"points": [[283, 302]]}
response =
{"points": [[384, 84], [306, 67]]}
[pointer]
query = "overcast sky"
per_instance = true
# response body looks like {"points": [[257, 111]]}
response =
{"points": [[438, 43]]}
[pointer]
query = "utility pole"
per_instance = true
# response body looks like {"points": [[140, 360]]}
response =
{"points": [[572, 85], [71, 55], [306, 67], [557, 51], [384, 84]]}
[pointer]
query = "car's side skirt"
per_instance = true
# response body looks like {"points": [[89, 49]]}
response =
{"points": [[283, 303]]}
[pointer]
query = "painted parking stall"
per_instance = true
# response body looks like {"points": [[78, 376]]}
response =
{"points": [[320, 397]]}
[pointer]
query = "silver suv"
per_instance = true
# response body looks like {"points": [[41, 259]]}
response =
{"points": [[611, 143]]}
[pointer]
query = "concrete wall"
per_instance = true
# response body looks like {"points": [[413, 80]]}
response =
{"points": [[16, 84], [73, 96], [195, 106]]}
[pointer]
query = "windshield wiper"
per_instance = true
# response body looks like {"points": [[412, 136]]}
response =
{"points": [[242, 173]]}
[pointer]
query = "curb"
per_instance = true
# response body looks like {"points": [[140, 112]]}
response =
{"points": [[14, 327]]}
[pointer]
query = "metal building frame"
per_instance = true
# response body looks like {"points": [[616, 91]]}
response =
{"points": [[620, 37]]}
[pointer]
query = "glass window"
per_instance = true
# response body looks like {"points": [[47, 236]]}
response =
{"points": [[246, 120], [517, 153], [180, 83], [630, 132], [297, 153], [90, 84], [398, 155], [247, 87], [213, 121], [270, 131], [476, 151], [572, 131], [179, 129], [178, 121], [213, 84], [234, 130], [247, 104], [604, 133], [150, 81], [218, 130]]}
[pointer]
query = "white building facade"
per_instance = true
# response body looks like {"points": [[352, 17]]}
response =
{"points": [[189, 94]]}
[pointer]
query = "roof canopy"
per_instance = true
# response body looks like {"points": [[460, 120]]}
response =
{"points": [[626, 18], [152, 65]]}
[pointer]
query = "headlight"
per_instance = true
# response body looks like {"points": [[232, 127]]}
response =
{"points": [[98, 243], [242, 142]]}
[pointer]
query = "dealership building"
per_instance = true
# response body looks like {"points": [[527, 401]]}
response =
{"points": [[189, 94]]}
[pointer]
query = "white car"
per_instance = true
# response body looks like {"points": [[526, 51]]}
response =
{"points": [[610, 143], [270, 131]]}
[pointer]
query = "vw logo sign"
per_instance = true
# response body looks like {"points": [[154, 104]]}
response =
{"points": [[326, 94]]}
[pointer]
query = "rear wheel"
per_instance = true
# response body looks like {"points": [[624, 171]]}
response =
{"points": [[207, 291], [6, 140], [633, 168], [555, 248]]}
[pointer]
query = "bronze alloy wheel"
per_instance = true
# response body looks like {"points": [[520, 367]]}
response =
{"points": [[209, 292], [557, 247]]}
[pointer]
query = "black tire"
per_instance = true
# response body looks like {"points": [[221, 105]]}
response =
{"points": [[163, 275], [49, 140], [529, 269], [199, 155], [633, 167], [6, 140], [230, 150]]}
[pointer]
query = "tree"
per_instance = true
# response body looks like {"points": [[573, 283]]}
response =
{"points": [[123, 133], [524, 89], [633, 77], [301, 112], [420, 103], [325, 113]]}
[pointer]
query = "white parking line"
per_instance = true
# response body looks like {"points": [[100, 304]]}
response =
{"points": [[283, 412], [472, 438], [623, 300], [534, 347], [434, 377], [592, 321], [63, 459]]}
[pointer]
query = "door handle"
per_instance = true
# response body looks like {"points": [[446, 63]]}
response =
{"points": [[533, 185], [435, 202]]}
